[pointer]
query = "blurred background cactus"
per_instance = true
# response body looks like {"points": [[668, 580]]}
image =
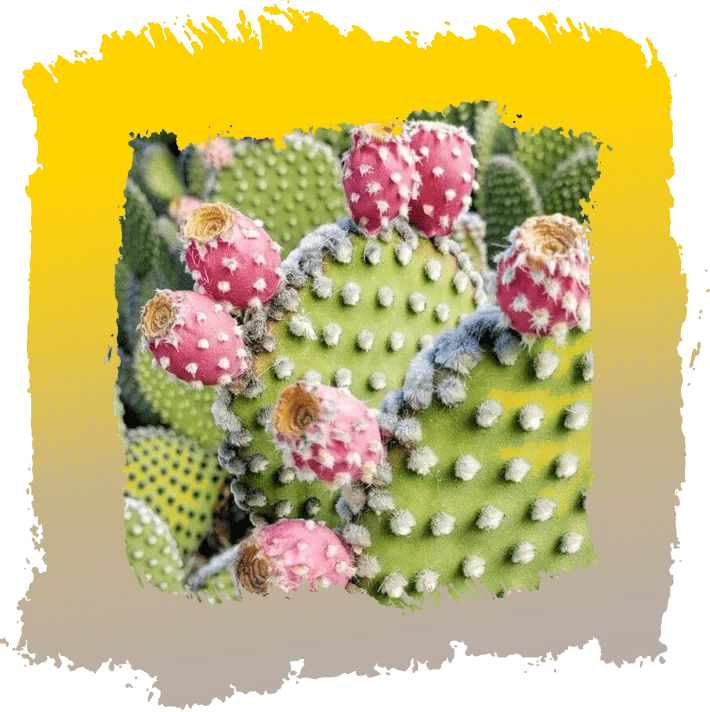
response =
{"points": [[202, 470]]}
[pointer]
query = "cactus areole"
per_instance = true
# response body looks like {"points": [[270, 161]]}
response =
{"points": [[544, 276], [289, 552], [194, 338]]}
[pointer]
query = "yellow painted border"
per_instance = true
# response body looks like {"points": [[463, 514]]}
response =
{"points": [[85, 111]]}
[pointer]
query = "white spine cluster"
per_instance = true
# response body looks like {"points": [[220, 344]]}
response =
{"points": [[365, 340], [284, 367], [402, 522], [571, 542], [393, 584], [490, 518], [474, 566], [488, 413], [385, 296], [531, 417], [421, 460], [517, 469], [442, 312], [322, 286], [567, 465], [408, 432], [587, 365], [577, 416], [331, 334], [432, 269], [378, 380], [417, 302], [546, 364], [523, 553], [426, 581], [396, 340], [467, 467], [543, 509], [343, 378], [368, 566], [442, 524], [350, 294], [451, 391], [301, 326]]}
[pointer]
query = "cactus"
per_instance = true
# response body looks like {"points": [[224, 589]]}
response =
{"points": [[363, 308], [489, 452], [484, 410], [151, 549], [572, 179], [176, 478]]}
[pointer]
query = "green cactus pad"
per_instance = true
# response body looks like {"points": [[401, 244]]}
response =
{"points": [[572, 181], [362, 311], [131, 394], [292, 190], [492, 137], [177, 478], [181, 406], [497, 474], [543, 151], [140, 242], [509, 197], [151, 550], [159, 170]]}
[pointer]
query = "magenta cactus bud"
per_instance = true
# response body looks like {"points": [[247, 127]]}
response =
{"points": [[291, 551], [446, 169], [194, 338], [181, 207], [230, 256], [543, 277], [216, 153], [378, 176], [327, 433]]}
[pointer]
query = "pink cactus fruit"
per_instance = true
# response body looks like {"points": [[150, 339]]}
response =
{"points": [[378, 176], [446, 168], [181, 207], [216, 153], [291, 551], [543, 278], [231, 257], [326, 433], [194, 338]]}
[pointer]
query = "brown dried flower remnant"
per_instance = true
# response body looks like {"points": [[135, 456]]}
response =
{"points": [[382, 131], [252, 570], [157, 316], [295, 411], [551, 236], [208, 222]]}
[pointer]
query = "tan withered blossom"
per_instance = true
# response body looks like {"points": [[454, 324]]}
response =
{"points": [[547, 237], [157, 316], [209, 221], [382, 131], [252, 570], [295, 411]]}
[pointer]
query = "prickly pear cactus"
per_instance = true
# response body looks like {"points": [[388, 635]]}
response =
{"points": [[152, 551], [489, 441], [176, 478], [354, 313]]}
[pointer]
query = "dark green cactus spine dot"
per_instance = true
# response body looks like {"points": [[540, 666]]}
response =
{"points": [[542, 152], [572, 181], [356, 321], [152, 552], [179, 405], [509, 196], [176, 478], [487, 487]]}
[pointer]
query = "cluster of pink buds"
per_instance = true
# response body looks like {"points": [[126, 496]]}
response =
{"points": [[423, 171]]}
